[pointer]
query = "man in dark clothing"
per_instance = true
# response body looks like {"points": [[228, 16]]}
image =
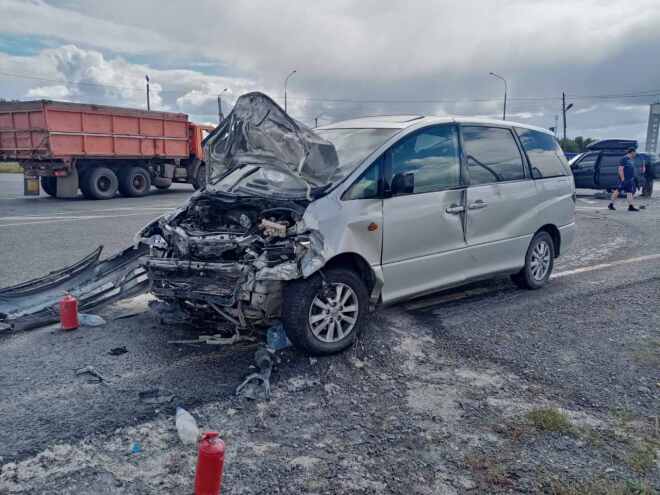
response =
{"points": [[627, 182]]}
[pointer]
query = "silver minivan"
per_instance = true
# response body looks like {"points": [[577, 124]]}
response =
{"points": [[319, 227]]}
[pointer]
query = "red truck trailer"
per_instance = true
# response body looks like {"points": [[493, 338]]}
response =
{"points": [[100, 149]]}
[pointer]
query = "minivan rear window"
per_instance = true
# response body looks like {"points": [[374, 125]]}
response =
{"points": [[544, 153]]}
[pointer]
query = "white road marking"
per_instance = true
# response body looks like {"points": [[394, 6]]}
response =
{"points": [[603, 266], [485, 290], [588, 201], [71, 219]]}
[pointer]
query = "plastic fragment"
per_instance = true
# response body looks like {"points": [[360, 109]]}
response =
{"points": [[186, 426], [90, 320], [276, 338], [136, 448], [90, 370]]}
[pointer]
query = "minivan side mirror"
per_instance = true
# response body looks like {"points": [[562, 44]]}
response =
{"points": [[403, 183]]}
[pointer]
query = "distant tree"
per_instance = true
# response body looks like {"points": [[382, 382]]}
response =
{"points": [[577, 145]]}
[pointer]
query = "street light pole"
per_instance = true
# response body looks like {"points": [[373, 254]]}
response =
{"points": [[564, 109], [506, 90], [316, 120], [286, 81], [220, 115]]}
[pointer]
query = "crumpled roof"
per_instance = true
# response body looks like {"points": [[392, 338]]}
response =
{"points": [[258, 131]]}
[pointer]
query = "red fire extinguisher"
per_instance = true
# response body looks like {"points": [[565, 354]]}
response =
{"points": [[210, 460], [69, 312]]}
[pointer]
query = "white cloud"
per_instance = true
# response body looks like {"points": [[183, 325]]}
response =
{"points": [[56, 92]]}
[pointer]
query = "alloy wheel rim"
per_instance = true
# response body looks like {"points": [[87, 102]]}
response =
{"points": [[333, 313], [539, 263]]}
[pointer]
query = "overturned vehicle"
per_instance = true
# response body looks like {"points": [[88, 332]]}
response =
{"points": [[269, 236]]}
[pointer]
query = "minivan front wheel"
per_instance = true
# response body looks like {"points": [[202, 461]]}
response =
{"points": [[539, 261], [323, 315]]}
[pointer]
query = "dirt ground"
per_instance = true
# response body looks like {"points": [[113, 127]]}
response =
{"points": [[401, 412]]}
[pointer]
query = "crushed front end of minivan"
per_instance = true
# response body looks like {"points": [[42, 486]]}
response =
{"points": [[230, 250]]}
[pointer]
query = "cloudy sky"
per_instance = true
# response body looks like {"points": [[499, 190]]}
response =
{"points": [[352, 57]]}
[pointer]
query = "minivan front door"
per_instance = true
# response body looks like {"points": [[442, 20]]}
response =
{"points": [[501, 201], [423, 212]]}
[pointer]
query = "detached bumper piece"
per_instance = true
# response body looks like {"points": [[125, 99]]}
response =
{"points": [[93, 282], [205, 282]]}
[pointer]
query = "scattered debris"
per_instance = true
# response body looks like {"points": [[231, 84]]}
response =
{"points": [[250, 387], [186, 426], [90, 320], [90, 370], [276, 337], [118, 351], [155, 396], [136, 448], [216, 339]]}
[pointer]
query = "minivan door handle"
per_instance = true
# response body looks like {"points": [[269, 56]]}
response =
{"points": [[455, 209], [477, 205]]}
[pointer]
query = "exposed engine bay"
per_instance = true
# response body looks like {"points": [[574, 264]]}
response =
{"points": [[230, 255]]}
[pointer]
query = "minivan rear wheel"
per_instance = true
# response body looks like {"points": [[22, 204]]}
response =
{"points": [[539, 262], [323, 315]]}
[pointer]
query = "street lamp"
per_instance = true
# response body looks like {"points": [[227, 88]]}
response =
{"points": [[286, 81], [316, 120], [564, 109], [220, 115], [506, 90]]}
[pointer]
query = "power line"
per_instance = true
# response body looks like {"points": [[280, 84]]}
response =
{"points": [[640, 94]]}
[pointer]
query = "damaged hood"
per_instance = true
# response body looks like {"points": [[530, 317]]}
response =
{"points": [[259, 149]]}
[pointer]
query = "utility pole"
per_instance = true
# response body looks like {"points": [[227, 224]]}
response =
{"points": [[148, 103]]}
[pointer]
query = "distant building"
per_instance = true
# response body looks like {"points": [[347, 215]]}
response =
{"points": [[654, 126]]}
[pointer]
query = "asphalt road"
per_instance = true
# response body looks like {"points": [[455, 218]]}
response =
{"points": [[577, 335], [40, 234]]}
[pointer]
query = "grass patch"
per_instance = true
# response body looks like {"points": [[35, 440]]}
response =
{"points": [[600, 487], [642, 458], [649, 353], [549, 419], [10, 168]]}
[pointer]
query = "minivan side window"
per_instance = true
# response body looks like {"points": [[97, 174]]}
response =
{"points": [[367, 186], [492, 155], [543, 152], [427, 161]]}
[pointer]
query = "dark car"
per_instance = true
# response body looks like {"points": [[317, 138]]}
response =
{"points": [[598, 167]]}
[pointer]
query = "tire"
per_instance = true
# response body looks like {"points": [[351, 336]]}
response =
{"points": [[300, 309], [647, 191], [199, 181], [529, 277], [49, 185], [134, 182], [99, 183], [162, 187]]}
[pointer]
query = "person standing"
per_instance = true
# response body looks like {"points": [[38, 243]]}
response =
{"points": [[627, 183]]}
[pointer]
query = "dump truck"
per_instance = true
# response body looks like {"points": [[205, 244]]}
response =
{"points": [[100, 150]]}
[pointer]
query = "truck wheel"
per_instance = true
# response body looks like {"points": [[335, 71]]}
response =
{"points": [[324, 315], [134, 181], [162, 187], [199, 181], [647, 192], [49, 185], [539, 262], [99, 183]]}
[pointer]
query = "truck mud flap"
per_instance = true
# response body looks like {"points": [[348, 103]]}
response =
{"points": [[93, 282]]}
